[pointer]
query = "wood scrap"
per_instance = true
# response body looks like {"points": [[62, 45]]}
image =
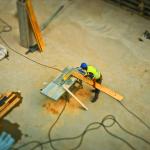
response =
{"points": [[8, 101], [75, 97]]}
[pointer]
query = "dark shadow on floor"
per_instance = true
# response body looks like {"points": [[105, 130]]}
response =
{"points": [[11, 128]]}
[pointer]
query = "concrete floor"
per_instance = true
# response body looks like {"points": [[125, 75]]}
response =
{"points": [[90, 31]]}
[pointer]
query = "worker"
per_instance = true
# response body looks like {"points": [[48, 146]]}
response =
{"points": [[92, 73]]}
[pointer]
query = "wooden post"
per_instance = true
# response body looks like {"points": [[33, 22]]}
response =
{"points": [[75, 97]]}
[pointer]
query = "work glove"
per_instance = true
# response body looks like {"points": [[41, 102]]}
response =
{"points": [[90, 75]]}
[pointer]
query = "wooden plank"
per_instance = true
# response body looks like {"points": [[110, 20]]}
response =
{"points": [[3, 106], [34, 25], [98, 86], [75, 97], [14, 99], [9, 107]]}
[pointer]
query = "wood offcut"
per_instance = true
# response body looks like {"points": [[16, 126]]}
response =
{"points": [[8, 101]]}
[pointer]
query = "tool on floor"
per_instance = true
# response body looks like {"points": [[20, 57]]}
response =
{"points": [[8, 101], [145, 35]]}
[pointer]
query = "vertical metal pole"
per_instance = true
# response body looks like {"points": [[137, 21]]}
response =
{"points": [[26, 35]]}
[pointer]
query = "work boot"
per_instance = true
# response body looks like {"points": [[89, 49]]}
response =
{"points": [[93, 90], [94, 99]]}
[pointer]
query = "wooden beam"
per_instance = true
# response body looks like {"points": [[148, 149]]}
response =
{"points": [[34, 25], [13, 99], [75, 97], [98, 86]]}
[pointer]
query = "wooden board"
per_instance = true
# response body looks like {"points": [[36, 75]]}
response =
{"points": [[98, 86], [75, 97], [13, 99], [34, 25]]}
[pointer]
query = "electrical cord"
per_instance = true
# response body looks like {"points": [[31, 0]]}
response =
{"points": [[26, 144], [146, 125], [39, 144], [50, 130], [51, 67], [88, 127]]}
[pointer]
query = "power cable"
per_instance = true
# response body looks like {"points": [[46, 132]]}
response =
{"points": [[39, 144], [134, 115], [31, 142], [51, 128], [51, 67]]}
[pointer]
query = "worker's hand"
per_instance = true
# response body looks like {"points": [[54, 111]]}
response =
{"points": [[82, 71]]}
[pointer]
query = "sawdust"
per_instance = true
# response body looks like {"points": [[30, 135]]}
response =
{"points": [[55, 107]]}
